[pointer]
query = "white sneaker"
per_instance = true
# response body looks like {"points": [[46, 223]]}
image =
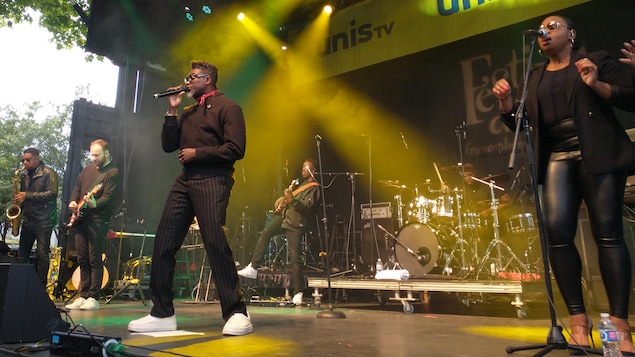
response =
{"points": [[90, 304], [76, 304], [153, 324], [297, 299], [238, 325], [248, 272]]}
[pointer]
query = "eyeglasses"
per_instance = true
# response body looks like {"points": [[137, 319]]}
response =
{"points": [[193, 76], [26, 159], [553, 26]]}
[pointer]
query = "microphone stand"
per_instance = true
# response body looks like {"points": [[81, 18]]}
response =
{"points": [[330, 313], [555, 338]]}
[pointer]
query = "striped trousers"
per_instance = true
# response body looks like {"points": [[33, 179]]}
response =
{"points": [[207, 199]]}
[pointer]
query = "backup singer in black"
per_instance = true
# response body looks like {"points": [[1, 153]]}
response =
{"points": [[292, 212], [582, 153], [209, 137]]}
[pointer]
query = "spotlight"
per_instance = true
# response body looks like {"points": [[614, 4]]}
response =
{"points": [[188, 14], [240, 16], [206, 9], [284, 48], [328, 9]]}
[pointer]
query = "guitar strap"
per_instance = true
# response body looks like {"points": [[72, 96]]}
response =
{"points": [[302, 188], [98, 180]]}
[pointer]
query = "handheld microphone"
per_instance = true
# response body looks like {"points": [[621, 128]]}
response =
{"points": [[170, 92], [538, 32]]}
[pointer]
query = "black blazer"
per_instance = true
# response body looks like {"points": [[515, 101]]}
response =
{"points": [[604, 144]]}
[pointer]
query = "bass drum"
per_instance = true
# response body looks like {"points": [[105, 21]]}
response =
{"points": [[76, 278], [426, 243]]}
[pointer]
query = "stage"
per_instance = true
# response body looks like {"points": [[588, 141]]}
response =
{"points": [[444, 323]]}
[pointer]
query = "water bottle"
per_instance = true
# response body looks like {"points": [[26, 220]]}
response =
{"points": [[609, 336], [379, 266]]}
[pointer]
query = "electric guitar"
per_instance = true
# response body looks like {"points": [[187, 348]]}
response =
{"points": [[81, 205], [281, 202]]}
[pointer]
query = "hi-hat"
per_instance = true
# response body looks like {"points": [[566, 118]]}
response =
{"points": [[496, 177]]}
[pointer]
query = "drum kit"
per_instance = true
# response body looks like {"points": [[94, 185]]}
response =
{"points": [[440, 232]]}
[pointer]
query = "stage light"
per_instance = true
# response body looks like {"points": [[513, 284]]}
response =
{"points": [[194, 12], [240, 16], [284, 48], [328, 9]]}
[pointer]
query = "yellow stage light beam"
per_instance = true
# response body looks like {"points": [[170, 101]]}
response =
{"points": [[271, 45], [337, 109], [219, 38]]}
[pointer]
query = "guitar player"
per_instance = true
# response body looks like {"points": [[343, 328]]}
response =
{"points": [[93, 200], [291, 214]]}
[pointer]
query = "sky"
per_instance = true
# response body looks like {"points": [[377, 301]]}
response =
{"points": [[31, 68]]}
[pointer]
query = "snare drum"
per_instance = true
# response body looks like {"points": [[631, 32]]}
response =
{"points": [[521, 223]]}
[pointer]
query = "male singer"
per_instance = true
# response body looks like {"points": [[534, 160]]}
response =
{"points": [[209, 136]]}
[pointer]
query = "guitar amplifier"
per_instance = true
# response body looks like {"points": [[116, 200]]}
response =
{"points": [[379, 210]]}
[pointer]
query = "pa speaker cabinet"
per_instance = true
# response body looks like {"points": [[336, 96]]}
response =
{"points": [[27, 314]]}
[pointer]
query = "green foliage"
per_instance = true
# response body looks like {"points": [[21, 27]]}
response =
{"points": [[57, 16], [23, 128]]}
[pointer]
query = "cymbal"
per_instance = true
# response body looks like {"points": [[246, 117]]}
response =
{"points": [[496, 177], [467, 166], [391, 183]]}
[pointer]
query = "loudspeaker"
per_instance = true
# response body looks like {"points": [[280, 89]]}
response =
{"points": [[375, 243], [27, 314]]}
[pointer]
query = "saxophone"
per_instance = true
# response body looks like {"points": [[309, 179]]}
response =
{"points": [[14, 212]]}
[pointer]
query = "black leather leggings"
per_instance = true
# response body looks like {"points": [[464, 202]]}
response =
{"points": [[565, 187]]}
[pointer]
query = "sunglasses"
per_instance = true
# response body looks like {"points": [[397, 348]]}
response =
{"points": [[552, 26], [193, 76]]}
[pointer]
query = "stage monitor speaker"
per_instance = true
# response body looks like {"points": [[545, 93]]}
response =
{"points": [[375, 244], [27, 314]]}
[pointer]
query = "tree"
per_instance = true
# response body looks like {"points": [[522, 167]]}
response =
{"points": [[22, 129], [57, 16]]}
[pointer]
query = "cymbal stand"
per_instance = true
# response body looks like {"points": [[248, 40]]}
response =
{"points": [[460, 244], [497, 242]]}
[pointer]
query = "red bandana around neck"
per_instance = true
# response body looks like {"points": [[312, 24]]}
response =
{"points": [[201, 100]]}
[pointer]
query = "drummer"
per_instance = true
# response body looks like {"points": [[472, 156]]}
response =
{"points": [[478, 196]]}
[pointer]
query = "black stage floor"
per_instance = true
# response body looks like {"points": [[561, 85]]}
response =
{"points": [[442, 324]]}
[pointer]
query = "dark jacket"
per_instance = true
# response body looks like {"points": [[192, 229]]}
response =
{"points": [[216, 130], [39, 208], [297, 213], [604, 144]]}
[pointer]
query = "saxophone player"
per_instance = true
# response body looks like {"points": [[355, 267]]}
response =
{"points": [[38, 200]]}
